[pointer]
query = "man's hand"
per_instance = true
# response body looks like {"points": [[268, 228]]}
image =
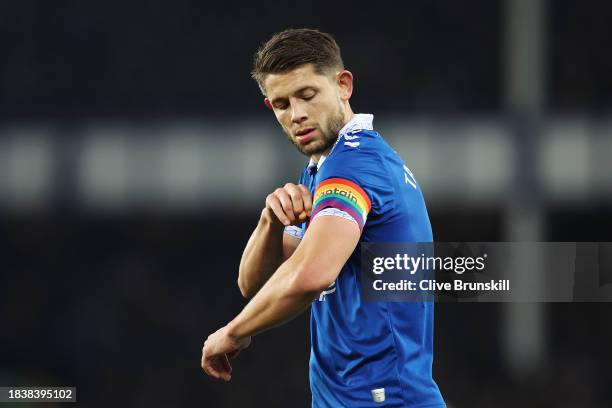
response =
{"points": [[218, 349], [289, 205]]}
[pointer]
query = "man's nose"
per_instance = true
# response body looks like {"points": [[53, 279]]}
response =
{"points": [[298, 113]]}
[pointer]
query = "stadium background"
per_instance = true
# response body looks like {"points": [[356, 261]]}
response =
{"points": [[135, 155]]}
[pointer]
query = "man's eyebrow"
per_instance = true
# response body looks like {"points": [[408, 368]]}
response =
{"points": [[299, 91]]}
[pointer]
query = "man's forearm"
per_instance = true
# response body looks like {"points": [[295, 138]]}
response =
{"points": [[281, 299], [262, 255], [314, 265]]}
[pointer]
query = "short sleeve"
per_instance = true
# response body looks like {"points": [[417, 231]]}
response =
{"points": [[334, 212], [294, 231]]}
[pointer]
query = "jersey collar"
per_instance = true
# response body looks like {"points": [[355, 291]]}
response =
{"points": [[360, 121]]}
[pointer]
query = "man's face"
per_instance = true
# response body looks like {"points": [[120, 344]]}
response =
{"points": [[308, 107]]}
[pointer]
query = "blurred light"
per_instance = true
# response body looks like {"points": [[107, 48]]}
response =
{"points": [[565, 160], [103, 169], [185, 170], [26, 168], [471, 159], [181, 165]]}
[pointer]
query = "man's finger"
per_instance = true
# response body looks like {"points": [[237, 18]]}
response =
{"points": [[221, 367], [203, 361], [286, 203], [215, 367], [296, 198], [209, 369], [306, 198], [274, 204], [210, 364], [226, 366], [205, 364]]}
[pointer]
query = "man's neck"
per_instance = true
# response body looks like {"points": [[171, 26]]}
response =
{"points": [[316, 157]]}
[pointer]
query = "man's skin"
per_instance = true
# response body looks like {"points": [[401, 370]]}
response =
{"points": [[281, 274]]}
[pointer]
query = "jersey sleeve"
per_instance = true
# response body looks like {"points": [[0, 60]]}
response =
{"points": [[294, 231], [355, 182], [333, 212]]}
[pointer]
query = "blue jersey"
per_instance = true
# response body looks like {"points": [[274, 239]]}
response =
{"points": [[369, 353]]}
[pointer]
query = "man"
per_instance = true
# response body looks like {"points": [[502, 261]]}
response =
{"points": [[304, 250]]}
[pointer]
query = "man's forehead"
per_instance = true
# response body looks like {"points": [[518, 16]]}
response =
{"points": [[284, 84]]}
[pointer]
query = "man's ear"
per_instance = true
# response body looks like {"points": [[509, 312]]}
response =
{"points": [[344, 80], [268, 104]]}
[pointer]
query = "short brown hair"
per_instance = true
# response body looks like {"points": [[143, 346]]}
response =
{"points": [[293, 48]]}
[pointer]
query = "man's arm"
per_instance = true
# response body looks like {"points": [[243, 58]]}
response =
{"points": [[315, 264], [268, 246]]}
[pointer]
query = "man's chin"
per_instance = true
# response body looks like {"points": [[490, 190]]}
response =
{"points": [[311, 148], [314, 147]]}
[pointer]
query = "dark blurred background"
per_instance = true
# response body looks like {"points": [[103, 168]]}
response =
{"points": [[136, 153]]}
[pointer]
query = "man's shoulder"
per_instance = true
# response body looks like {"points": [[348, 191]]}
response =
{"points": [[360, 161], [357, 149]]}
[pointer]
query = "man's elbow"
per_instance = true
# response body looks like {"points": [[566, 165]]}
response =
{"points": [[246, 290], [309, 282]]}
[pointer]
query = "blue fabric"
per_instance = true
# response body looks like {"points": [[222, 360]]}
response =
{"points": [[359, 346]]}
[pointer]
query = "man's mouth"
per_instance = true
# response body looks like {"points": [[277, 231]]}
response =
{"points": [[305, 135]]}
